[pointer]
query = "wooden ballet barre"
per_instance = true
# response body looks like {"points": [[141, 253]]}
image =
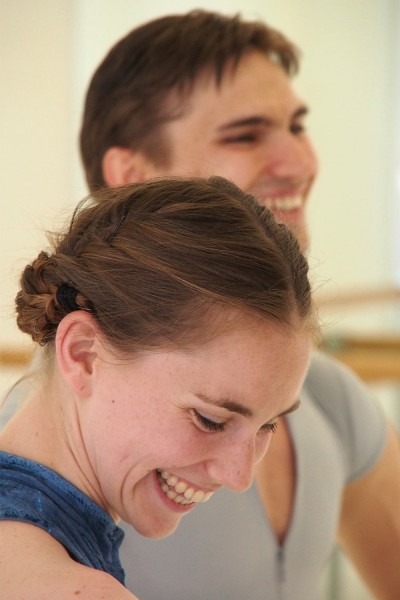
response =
{"points": [[373, 358], [13, 357], [344, 341], [357, 298]]}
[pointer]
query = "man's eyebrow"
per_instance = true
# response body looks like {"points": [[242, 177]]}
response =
{"points": [[302, 111], [240, 408], [259, 120]]}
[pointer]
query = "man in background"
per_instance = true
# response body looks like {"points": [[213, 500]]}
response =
{"points": [[202, 94]]}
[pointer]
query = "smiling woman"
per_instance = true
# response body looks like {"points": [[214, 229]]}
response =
{"points": [[175, 318]]}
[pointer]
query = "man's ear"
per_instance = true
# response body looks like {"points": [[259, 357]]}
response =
{"points": [[123, 165], [77, 346]]}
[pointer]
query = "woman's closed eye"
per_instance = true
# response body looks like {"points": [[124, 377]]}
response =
{"points": [[270, 427], [207, 424]]}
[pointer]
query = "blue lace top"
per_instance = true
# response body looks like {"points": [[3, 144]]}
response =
{"points": [[33, 493]]}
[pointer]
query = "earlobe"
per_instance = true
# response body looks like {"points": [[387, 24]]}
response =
{"points": [[122, 166], [76, 351]]}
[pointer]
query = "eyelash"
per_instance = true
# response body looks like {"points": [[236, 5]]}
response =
{"points": [[207, 423], [270, 427], [213, 426]]}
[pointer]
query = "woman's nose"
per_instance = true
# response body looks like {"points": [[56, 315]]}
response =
{"points": [[234, 466]]}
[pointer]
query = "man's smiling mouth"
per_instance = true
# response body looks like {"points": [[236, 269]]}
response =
{"points": [[284, 204]]}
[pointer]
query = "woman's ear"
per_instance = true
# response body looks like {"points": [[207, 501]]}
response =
{"points": [[121, 166], [77, 345]]}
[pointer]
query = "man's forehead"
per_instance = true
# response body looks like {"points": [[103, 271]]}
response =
{"points": [[255, 80]]}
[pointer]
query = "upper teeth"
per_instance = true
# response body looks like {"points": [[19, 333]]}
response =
{"points": [[285, 203], [179, 491]]}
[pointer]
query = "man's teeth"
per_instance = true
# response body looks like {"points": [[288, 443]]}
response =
{"points": [[285, 204], [179, 491]]}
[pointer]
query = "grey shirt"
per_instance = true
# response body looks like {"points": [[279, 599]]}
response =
{"points": [[226, 549]]}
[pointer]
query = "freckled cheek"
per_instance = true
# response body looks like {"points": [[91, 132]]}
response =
{"points": [[188, 450]]}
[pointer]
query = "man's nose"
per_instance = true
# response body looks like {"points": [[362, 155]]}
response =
{"points": [[291, 156]]}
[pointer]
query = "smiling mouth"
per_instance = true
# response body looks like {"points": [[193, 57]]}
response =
{"points": [[179, 491], [284, 204]]}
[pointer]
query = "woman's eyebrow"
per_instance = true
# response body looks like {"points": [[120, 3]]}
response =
{"points": [[291, 409], [236, 407], [230, 405]]}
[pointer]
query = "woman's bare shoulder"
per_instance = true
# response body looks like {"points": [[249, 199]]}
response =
{"points": [[34, 565]]}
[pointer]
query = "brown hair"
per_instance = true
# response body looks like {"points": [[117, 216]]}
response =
{"points": [[129, 97], [150, 260]]}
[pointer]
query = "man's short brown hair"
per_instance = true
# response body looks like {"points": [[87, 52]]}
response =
{"points": [[144, 79]]}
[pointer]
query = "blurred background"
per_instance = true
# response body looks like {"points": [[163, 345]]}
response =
{"points": [[350, 77]]}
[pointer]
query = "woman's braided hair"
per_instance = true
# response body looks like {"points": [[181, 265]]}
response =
{"points": [[150, 260]]}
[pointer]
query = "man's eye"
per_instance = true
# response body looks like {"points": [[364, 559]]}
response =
{"points": [[207, 424], [244, 138], [297, 128]]}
